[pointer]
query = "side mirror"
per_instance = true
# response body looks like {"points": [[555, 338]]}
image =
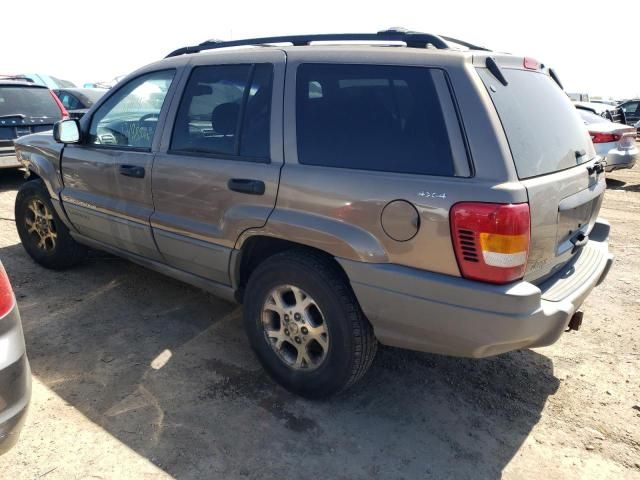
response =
{"points": [[66, 131]]}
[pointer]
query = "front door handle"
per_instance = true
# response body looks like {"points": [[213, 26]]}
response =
{"points": [[245, 185], [131, 171]]}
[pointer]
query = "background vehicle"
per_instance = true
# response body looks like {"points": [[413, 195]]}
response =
{"points": [[615, 142], [24, 108], [78, 100], [47, 80], [212, 168], [631, 110], [609, 112], [15, 375]]}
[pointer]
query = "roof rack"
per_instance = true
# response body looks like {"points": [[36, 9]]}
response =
{"points": [[410, 38]]}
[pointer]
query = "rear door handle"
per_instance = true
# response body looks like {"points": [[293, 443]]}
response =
{"points": [[131, 171], [245, 185]]}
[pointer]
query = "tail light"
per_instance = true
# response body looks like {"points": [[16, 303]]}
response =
{"points": [[63, 111], [597, 137], [530, 63], [6, 293], [491, 240]]}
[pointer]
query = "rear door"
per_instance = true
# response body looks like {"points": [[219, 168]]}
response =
{"points": [[552, 153], [24, 109], [107, 177], [218, 170]]}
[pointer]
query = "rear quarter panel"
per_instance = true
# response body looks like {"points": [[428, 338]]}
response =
{"points": [[339, 210]]}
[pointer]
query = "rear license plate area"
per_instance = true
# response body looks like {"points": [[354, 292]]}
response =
{"points": [[570, 222]]}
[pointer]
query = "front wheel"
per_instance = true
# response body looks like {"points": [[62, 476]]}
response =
{"points": [[45, 238], [305, 324]]}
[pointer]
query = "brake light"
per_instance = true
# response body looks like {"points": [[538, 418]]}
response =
{"points": [[6, 293], [491, 240], [531, 63], [63, 111], [597, 137]]}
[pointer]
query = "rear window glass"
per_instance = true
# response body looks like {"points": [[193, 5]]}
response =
{"points": [[28, 101], [376, 117], [590, 117], [544, 130]]}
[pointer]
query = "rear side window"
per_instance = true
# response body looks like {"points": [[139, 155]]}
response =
{"points": [[377, 117], [225, 110], [69, 101], [28, 101], [544, 130]]}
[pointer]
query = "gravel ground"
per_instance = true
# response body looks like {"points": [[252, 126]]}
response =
{"points": [[136, 375]]}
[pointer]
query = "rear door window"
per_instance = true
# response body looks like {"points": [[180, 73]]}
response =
{"points": [[226, 110], [378, 117], [544, 130], [29, 102]]}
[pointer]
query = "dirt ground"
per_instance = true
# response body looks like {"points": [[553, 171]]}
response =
{"points": [[136, 375]]}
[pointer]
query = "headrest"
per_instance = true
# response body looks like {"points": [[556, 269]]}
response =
{"points": [[224, 118]]}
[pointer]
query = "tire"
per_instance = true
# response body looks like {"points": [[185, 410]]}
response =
{"points": [[58, 250], [334, 361]]}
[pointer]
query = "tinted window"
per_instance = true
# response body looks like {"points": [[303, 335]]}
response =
{"points": [[630, 107], [28, 101], [225, 109], [542, 126], [254, 139], [374, 117], [69, 101], [129, 117]]}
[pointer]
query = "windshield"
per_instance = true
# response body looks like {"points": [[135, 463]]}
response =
{"points": [[28, 102], [544, 131]]}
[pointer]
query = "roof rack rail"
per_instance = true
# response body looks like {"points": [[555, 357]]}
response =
{"points": [[411, 39]]}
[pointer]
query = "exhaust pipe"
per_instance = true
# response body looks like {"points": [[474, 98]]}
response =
{"points": [[576, 321]]}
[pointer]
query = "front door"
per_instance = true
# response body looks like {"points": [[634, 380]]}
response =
{"points": [[107, 177], [218, 169]]}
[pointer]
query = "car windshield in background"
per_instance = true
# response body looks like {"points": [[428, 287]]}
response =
{"points": [[28, 101], [590, 117], [542, 126]]}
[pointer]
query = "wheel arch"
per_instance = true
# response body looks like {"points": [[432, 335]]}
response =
{"points": [[255, 249]]}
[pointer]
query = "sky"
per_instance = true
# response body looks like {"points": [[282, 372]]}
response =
{"points": [[589, 43]]}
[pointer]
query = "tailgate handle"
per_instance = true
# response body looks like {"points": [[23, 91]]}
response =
{"points": [[597, 167], [579, 241]]}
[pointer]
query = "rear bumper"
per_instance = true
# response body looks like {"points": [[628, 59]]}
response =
{"points": [[431, 312], [9, 161], [618, 159], [15, 380]]}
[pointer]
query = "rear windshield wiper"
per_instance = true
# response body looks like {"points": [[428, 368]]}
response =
{"points": [[13, 115]]}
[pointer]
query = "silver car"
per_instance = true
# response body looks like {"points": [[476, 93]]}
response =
{"points": [[615, 142], [15, 375]]}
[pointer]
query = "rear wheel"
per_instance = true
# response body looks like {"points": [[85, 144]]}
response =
{"points": [[305, 324], [45, 238]]}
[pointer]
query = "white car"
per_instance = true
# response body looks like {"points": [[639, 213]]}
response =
{"points": [[615, 142], [608, 112]]}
